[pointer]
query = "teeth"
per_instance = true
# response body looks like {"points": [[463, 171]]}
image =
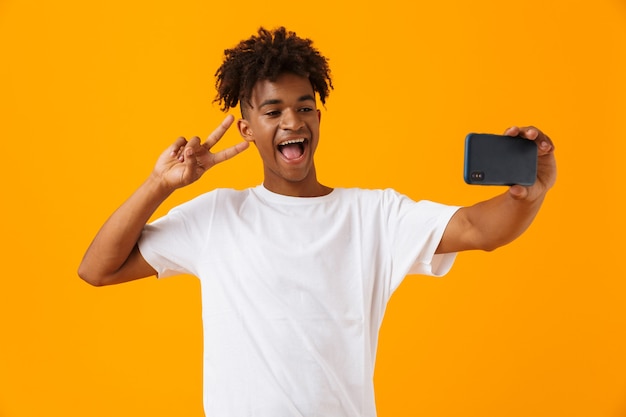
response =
{"points": [[287, 142]]}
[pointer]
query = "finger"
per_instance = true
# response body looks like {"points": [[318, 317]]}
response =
{"points": [[228, 153], [217, 134], [193, 169], [529, 132], [512, 131], [544, 143], [176, 147], [193, 143], [193, 156], [518, 192]]}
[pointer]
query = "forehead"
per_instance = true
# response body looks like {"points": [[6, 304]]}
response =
{"points": [[287, 87]]}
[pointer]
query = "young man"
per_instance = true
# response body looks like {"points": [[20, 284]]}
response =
{"points": [[295, 274]]}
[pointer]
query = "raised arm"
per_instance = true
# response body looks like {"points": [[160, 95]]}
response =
{"points": [[495, 222], [113, 256]]}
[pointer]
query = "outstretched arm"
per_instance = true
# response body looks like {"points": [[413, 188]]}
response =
{"points": [[495, 222], [113, 256]]}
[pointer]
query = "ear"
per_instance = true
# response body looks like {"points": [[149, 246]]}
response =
{"points": [[245, 130], [319, 115]]}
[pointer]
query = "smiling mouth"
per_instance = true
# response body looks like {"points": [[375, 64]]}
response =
{"points": [[292, 149]]}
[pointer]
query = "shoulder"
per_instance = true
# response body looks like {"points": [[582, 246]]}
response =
{"points": [[369, 196], [389, 201], [376, 202]]}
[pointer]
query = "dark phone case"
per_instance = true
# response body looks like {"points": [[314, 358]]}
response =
{"points": [[499, 160]]}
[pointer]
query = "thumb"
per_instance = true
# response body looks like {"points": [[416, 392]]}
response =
{"points": [[193, 169], [518, 192]]}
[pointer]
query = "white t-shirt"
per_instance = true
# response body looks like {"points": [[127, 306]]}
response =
{"points": [[294, 291]]}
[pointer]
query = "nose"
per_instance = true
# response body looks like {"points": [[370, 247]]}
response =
{"points": [[291, 120]]}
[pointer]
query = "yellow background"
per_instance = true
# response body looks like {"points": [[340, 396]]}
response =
{"points": [[90, 93]]}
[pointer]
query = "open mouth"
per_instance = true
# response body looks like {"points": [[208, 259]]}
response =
{"points": [[292, 149]]}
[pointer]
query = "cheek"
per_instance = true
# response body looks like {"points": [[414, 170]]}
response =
{"points": [[264, 146], [315, 133]]}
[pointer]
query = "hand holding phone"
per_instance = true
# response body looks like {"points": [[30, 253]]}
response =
{"points": [[499, 160]]}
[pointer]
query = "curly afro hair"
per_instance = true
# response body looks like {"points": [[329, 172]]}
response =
{"points": [[265, 57]]}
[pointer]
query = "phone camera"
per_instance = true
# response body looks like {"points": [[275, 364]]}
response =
{"points": [[478, 175]]}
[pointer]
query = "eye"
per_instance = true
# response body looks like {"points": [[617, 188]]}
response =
{"points": [[272, 113], [306, 109]]}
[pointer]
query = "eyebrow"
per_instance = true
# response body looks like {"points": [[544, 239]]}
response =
{"points": [[270, 102]]}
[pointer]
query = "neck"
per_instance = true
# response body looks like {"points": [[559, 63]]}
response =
{"points": [[305, 188]]}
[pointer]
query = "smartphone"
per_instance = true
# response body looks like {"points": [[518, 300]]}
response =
{"points": [[499, 160]]}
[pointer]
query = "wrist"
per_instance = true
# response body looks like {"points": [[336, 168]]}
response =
{"points": [[158, 187]]}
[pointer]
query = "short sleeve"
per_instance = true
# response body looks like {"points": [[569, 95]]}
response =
{"points": [[172, 244], [416, 228]]}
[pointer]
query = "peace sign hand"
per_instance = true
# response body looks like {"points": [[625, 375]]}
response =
{"points": [[184, 162]]}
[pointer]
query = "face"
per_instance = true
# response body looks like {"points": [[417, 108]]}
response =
{"points": [[282, 120]]}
